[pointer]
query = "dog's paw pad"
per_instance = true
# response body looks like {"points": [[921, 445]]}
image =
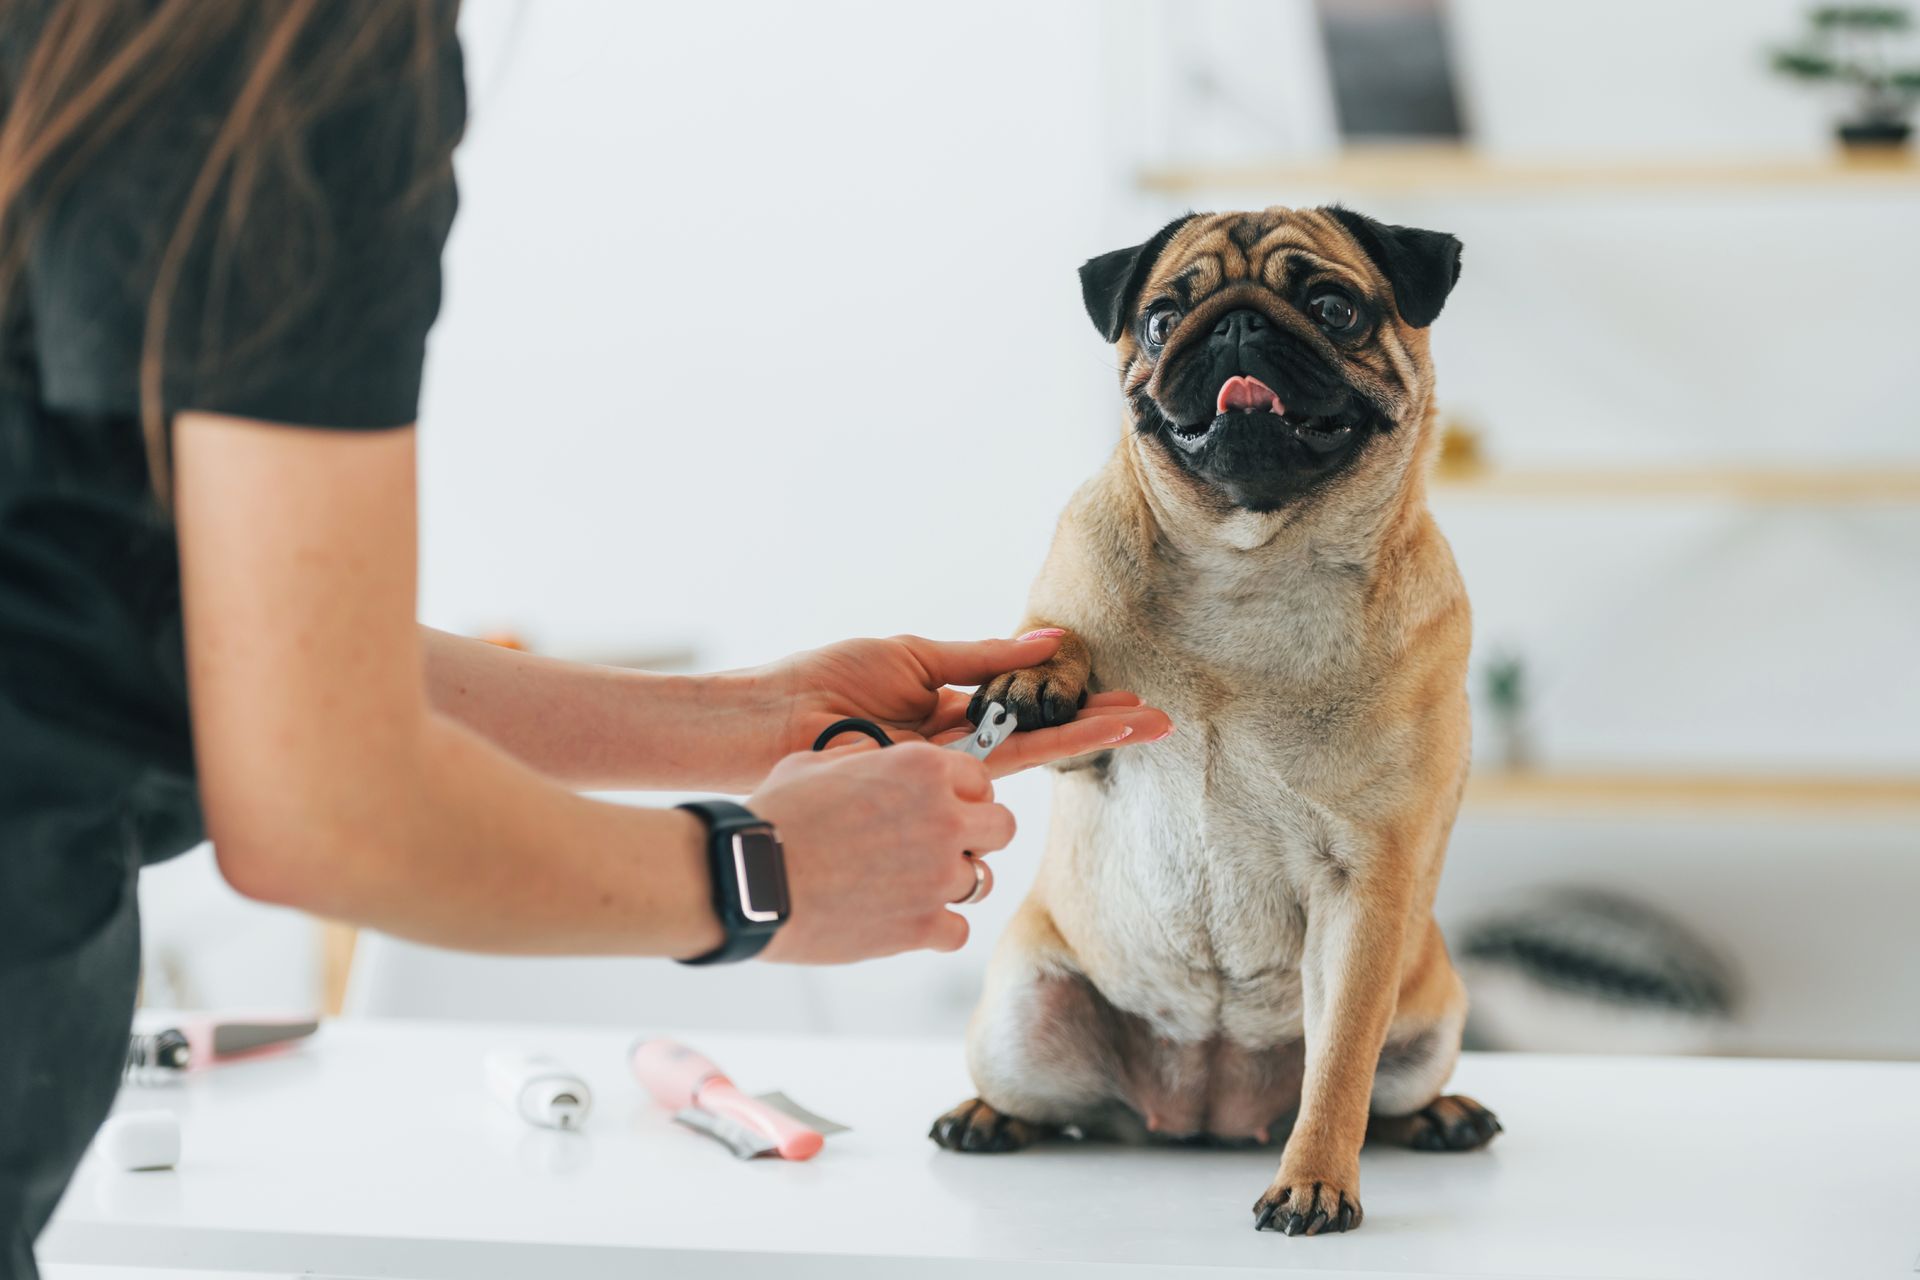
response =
{"points": [[976, 1127], [1306, 1208]]}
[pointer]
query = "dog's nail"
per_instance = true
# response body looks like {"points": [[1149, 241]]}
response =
{"points": [[1044, 632], [1295, 1225]]}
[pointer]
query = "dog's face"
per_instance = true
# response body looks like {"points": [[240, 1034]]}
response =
{"points": [[1265, 354]]}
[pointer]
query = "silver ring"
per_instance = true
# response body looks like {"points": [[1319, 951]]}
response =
{"points": [[979, 883]]}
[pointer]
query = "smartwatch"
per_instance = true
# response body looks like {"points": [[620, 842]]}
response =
{"points": [[749, 879]]}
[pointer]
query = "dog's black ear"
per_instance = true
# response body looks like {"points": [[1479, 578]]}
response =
{"points": [[1111, 282], [1422, 266]]}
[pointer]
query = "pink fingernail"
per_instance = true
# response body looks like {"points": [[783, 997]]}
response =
{"points": [[1044, 632]]}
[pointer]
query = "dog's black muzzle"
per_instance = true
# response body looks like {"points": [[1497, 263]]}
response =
{"points": [[1256, 412]]}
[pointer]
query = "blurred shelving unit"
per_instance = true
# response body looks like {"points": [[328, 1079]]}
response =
{"points": [[1453, 168], [1566, 791], [1556, 792], [1838, 486]]}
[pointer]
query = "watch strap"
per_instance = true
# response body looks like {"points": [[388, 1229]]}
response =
{"points": [[723, 818]]}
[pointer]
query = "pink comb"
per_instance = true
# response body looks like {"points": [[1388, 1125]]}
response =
{"points": [[684, 1080]]}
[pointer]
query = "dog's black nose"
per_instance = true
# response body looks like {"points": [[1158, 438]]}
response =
{"points": [[1238, 326]]}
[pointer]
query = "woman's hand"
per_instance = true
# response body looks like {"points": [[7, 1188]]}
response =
{"points": [[901, 685], [876, 844]]}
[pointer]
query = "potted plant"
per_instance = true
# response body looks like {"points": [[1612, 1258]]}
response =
{"points": [[1858, 46]]}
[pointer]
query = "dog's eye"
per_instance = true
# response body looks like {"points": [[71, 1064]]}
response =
{"points": [[1333, 312], [1160, 322]]}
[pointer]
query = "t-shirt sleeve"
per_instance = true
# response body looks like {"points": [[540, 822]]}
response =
{"points": [[312, 305]]}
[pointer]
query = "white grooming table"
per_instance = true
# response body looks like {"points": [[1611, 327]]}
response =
{"points": [[375, 1151]]}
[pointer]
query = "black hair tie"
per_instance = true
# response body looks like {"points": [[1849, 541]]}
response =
{"points": [[852, 724]]}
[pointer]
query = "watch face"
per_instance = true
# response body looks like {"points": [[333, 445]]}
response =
{"points": [[762, 876]]}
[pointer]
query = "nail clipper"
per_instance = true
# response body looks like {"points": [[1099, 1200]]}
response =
{"points": [[996, 726]]}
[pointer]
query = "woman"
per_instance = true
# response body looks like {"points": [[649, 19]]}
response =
{"points": [[222, 225]]}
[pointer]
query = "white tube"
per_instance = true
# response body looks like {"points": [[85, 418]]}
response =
{"points": [[537, 1089]]}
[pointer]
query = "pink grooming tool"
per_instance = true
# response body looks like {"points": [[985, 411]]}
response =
{"points": [[202, 1040], [702, 1097]]}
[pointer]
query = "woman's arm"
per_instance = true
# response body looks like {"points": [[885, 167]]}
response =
{"points": [[331, 783], [599, 728], [606, 728]]}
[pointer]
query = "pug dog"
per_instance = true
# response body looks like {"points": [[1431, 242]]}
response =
{"points": [[1234, 928]]}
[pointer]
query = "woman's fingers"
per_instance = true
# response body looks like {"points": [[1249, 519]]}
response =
{"points": [[949, 714], [988, 828], [949, 722], [945, 931], [1110, 711], [1101, 731], [969, 776], [971, 661], [966, 880]]}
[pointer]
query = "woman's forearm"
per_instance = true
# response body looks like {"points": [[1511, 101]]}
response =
{"points": [[455, 843], [607, 728]]}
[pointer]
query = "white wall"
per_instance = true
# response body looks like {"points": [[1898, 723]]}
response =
{"points": [[1635, 78], [762, 326]]}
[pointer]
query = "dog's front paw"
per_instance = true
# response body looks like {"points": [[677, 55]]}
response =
{"points": [[975, 1126], [1039, 697], [1042, 696], [1308, 1206]]}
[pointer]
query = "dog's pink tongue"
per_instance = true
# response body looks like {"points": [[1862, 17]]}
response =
{"points": [[1246, 395]]}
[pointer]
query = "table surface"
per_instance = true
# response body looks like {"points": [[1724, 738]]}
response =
{"points": [[376, 1151]]}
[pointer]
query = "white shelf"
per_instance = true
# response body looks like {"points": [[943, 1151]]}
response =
{"points": [[1449, 168], [1554, 792]]}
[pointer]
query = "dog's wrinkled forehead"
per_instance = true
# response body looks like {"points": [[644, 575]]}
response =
{"points": [[1271, 247], [1405, 271]]}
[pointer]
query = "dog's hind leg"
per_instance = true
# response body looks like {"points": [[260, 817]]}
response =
{"points": [[1408, 1109], [1040, 1046]]}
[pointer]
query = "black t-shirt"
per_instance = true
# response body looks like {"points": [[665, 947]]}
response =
{"points": [[314, 312]]}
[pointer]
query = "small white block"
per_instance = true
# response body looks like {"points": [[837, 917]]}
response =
{"points": [[141, 1140]]}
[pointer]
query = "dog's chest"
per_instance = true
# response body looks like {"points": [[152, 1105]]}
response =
{"points": [[1294, 620], [1200, 856], [1204, 853]]}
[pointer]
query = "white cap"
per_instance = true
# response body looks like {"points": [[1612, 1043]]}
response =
{"points": [[560, 1102], [537, 1088], [136, 1140]]}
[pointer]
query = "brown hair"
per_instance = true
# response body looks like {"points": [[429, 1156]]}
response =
{"points": [[95, 66]]}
